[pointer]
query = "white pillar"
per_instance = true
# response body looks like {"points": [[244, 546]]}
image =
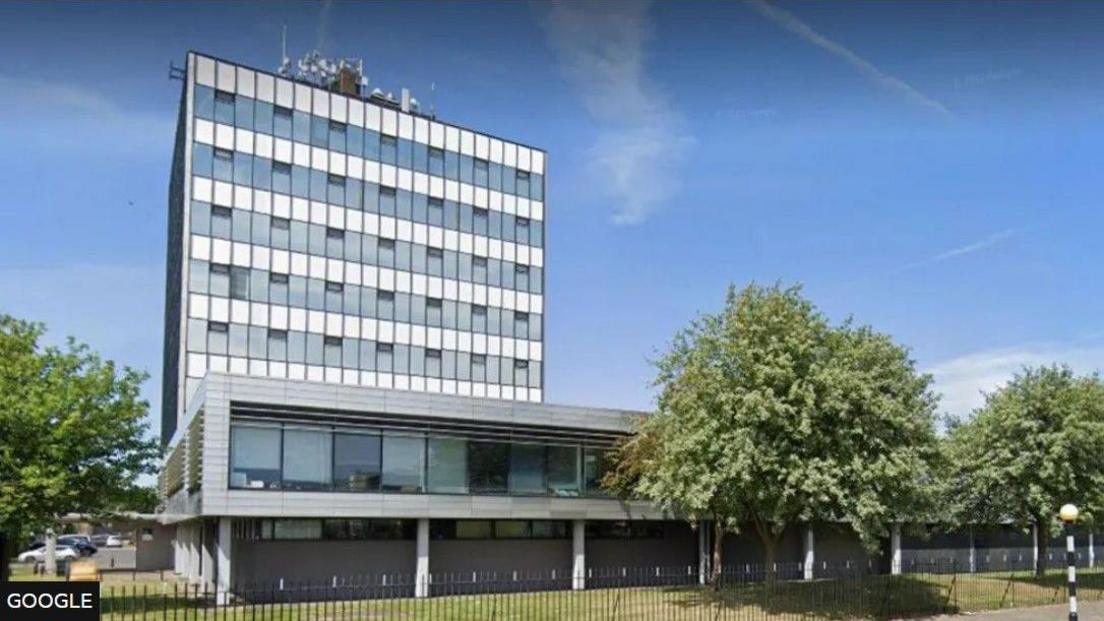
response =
{"points": [[578, 549], [178, 556], [1092, 551], [206, 555], [421, 572], [973, 553], [51, 552], [224, 543], [704, 551], [193, 552], [895, 550], [810, 552]]}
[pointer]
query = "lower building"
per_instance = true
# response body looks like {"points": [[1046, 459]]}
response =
{"points": [[277, 482]]}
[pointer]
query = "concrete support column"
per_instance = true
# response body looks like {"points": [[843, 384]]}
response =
{"points": [[178, 555], [578, 553], [206, 555], [421, 572], [1092, 552], [973, 553], [705, 551], [810, 553], [895, 550], [224, 550], [193, 552]]}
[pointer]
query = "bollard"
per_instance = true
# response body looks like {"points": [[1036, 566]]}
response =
{"points": [[1069, 516]]}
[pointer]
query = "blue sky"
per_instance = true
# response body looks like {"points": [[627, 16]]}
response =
{"points": [[933, 170]]}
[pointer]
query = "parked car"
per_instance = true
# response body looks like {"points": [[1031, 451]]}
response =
{"points": [[115, 541], [100, 541], [81, 543], [38, 555]]}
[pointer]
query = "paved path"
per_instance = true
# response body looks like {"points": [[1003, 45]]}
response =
{"points": [[1090, 611]]}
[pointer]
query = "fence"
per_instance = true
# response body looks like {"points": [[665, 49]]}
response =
{"points": [[745, 593]]}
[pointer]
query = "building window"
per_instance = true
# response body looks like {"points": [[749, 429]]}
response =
{"points": [[385, 303], [479, 318], [474, 529], [356, 462], [488, 467], [239, 283], [527, 469], [386, 252], [435, 261], [223, 165], [481, 167], [224, 107], [522, 183], [594, 468], [479, 367], [307, 459], [403, 460], [297, 529], [521, 372], [335, 295], [277, 345], [479, 270], [447, 461], [480, 219], [332, 346], [433, 363], [563, 470], [221, 218], [521, 325], [254, 457]]}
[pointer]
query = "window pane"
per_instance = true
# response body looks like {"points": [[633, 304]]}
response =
{"points": [[549, 529], [527, 469], [594, 467], [255, 457], [297, 529], [473, 529], [448, 465], [488, 467], [356, 462], [403, 458], [307, 459], [511, 529], [563, 470]]}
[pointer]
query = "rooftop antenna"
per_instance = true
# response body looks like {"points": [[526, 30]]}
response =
{"points": [[285, 62]]}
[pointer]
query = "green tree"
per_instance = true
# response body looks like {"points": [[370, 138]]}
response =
{"points": [[1036, 444], [770, 416], [73, 432]]}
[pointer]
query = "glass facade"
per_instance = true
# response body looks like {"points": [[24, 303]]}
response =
{"points": [[301, 457], [328, 248]]}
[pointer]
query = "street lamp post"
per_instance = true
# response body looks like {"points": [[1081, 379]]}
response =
{"points": [[1068, 514]]}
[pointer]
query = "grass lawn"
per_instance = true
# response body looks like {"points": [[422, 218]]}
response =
{"points": [[870, 597]]}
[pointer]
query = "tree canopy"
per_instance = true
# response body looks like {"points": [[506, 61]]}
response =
{"points": [[769, 415], [73, 431], [1036, 444]]}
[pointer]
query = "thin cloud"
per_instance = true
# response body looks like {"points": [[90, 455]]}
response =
{"points": [[986, 242], [964, 381], [642, 141], [886, 81]]}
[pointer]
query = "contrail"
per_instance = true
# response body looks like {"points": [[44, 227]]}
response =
{"points": [[790, 22]]}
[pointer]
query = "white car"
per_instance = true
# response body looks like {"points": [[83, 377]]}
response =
{"points": [[114, 541], [39, 555]]}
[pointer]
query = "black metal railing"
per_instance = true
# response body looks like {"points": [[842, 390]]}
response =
{"points": [[848, 590]]}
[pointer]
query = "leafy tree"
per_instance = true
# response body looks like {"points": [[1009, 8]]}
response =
{"points": [[770, 416], [1037, 444], [73, 432]]}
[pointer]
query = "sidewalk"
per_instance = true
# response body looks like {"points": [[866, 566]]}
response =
{"points": [[1089, 611]]}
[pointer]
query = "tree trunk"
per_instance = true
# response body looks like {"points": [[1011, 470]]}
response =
{"points": [[7, 548], [51, 552], [718, 542], [770, 545], [1042, 542]]}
